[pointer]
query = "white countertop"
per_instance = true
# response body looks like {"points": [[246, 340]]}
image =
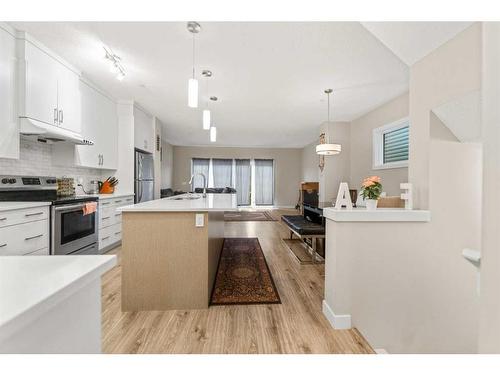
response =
{"points": [[7, 206], [31, 285], [361, 214], [213, 202]]}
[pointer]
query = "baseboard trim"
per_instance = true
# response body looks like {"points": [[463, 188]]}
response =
{"points": [[337, 321]]}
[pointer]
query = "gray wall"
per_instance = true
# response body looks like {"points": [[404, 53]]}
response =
{"points": [[310, 162], [167, 164], [288, 167]]}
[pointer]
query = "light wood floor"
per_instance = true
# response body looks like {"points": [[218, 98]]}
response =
{"points": [[295, 326]]}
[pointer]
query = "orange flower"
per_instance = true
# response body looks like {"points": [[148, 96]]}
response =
{"points": [[374, 179], [367, 183]]}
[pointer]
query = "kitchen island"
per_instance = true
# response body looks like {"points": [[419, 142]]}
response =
{"points": [[51, 304], [171, 249]]}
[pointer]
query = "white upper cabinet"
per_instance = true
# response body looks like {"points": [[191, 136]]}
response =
{"points": [[99, 122], [48, 87], [9, 139], [144, 131]]}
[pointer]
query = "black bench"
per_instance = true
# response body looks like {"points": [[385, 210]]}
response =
{"points": [[304, 229]]}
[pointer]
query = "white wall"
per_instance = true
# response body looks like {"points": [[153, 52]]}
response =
{"points": [[446, 73], [361, 146], [406, 285], [489, 331], [337, 167], [167, 164], [287, 167]]}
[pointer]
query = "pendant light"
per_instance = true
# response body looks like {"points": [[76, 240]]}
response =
{"points": [[193, 28], [328, 148], [206, 112], [213, 134]]}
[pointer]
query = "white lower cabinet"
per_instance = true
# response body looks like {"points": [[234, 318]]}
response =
{"points": [[110, 221], [25, 232]]}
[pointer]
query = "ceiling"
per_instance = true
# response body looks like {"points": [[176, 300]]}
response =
{"points": [[411, 41], [269, 77]]}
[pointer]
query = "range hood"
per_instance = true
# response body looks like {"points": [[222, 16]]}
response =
{"points": [[50, 133]]}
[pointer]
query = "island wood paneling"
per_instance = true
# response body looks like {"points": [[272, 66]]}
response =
{"points": [[167, 262]]}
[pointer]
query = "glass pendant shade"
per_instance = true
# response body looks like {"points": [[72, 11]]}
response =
{"points": [[213, 134], [193, 93], [206, 119], [328, 149]]}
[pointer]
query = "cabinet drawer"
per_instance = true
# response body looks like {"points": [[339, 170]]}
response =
{"points": [[103, 203], [40, 252], [117, 232], [117, 216], [128, 200], [106, 216], [23, 216], [105, 237], [25, 238]]}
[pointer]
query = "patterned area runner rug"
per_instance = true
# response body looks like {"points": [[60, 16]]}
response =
{"points": [[243, 276], [248, 216]]}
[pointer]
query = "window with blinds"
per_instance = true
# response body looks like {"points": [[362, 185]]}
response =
{"points": [[396, 145], [391, 145]]}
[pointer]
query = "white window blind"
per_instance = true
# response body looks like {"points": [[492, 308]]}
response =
{"points": [[199, 166], [222, 172], [243, 180], [264, 182]]}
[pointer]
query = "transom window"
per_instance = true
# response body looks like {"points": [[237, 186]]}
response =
{"points": [[391, 145]]}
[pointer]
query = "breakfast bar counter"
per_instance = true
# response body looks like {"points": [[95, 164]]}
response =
{"points": [[171, 249]]}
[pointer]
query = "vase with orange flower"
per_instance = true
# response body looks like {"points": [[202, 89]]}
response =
{"points": [[371, 190]]}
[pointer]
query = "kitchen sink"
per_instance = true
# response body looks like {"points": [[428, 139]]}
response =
{"points": [[188, 198]]}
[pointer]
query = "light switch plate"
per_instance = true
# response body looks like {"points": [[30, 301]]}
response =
{"points": [[200, 220]]}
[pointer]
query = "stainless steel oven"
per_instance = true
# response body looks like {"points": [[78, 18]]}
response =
{"points": [[72, 231]]}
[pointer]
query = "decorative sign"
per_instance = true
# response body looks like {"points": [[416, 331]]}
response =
{"points": [[322, 141], [407, 195], [343, 197]]}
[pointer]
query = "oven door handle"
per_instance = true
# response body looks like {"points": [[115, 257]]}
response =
{"points": [[70, 207]]}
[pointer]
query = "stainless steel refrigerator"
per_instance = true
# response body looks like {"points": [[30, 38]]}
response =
{"points": [[144, 177]]}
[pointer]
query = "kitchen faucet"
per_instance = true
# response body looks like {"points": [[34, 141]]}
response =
{"points": [[204, 182]]}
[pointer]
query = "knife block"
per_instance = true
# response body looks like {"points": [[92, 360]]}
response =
{"points": [[106, 188]]}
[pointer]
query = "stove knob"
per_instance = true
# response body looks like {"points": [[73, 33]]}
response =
{"points": [[12, 180], [5, 180]]}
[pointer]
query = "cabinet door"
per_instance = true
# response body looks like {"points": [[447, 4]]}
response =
{"points": [[68, 99], [89, 156], [143, 130], [41, 72], [108, 134], [9, 140]]}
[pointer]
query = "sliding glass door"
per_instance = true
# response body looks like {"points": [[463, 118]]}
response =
{"points": [[264, 182], [253, 179], [243, 181]]}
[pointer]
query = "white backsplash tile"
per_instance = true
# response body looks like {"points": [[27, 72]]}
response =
{"points": [[36, 159]]}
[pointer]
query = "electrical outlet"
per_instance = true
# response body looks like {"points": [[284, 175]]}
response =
{"points": [[200, 220]]}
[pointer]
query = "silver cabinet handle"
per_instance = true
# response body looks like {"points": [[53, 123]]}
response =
{"points": [[34, 214], [118, 214], [61, 116], [3, 218], [3, 245], [105, 218], [105, 203], [33, 237], [56, 118], [119, 201], [105, 238], [117, 232]]}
